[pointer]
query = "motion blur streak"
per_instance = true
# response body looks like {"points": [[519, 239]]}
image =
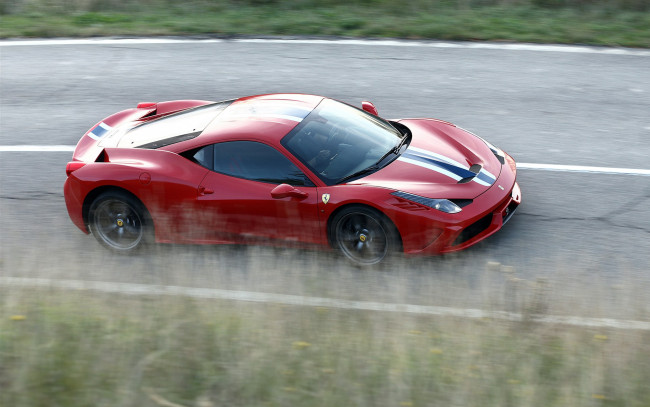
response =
{"points": [[144, 289]]}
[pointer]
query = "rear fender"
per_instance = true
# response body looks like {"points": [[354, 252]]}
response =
{"points": [[165, 183]]}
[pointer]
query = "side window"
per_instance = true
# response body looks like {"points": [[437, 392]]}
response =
{"points": [[253, 161], [203, 156]]}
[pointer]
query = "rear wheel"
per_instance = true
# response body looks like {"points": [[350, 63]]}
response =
{"points": [[119, 221], [364, 235]]}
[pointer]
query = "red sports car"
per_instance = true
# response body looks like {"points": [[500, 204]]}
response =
{"points": [[287, 168]]}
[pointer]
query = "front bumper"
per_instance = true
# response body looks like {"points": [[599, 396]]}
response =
{"points": [[484, 217], [487, 225]]}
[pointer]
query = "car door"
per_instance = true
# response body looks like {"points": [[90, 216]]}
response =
{"points": [[253, 192]]}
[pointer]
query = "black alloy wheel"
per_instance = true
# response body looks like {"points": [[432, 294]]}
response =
{"points": [[363, 235], [118, 221]]}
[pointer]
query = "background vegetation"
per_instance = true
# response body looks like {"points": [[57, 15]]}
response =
{"points": [[73, 349], [601, 22]]}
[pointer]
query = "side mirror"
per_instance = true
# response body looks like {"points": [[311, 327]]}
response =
{"points": [[369, 107], [286, 191]]}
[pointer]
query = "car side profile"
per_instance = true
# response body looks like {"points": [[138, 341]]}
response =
{"points": [[287, 169]]}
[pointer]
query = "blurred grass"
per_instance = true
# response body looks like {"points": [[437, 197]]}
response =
{"points": [[600, 22], [86, 349]]}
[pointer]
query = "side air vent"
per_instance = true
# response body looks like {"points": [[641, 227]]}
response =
{"points": [[101, 158], [150, 114], [474, 230], [509, 211], [412, 202], [171, 140], [410, 206]]}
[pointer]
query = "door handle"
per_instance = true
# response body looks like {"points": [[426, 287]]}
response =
{"points": [[205, 191]]}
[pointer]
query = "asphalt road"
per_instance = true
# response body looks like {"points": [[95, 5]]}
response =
{"points": [[582, 232]]}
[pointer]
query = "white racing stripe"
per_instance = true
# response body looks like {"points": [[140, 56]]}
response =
{"points": [[261, 116], [284, 299], [576, 49]]}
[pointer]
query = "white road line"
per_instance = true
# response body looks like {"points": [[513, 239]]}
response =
{"points": [[284, 299], [583, 169], [520, 166], [32, 148], [576, 49], [102, 41]]}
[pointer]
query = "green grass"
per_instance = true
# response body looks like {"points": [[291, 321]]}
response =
{"points": [[613, 23], [81, 349]]}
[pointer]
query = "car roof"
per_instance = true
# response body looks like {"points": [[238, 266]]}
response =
{"points": [[263, 117]]}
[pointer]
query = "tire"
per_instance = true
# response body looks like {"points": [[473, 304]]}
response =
{"points": [[119, 222], [364, 235]]}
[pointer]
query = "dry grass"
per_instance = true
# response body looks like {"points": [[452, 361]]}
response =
{"points": [[81, 348], [77, 348]]}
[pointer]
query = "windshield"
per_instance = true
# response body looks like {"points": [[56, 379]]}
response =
{"points": [[337, 140]]}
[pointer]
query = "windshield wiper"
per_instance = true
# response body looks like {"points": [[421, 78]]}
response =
{"points": [[400, 144], [376, 166], [372, 168], [394, 150]]}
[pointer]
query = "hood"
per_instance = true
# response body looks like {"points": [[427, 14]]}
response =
{"points": [[442, 161]]}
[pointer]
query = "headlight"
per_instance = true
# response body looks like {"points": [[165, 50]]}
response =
{"points": [[446, 205], [443, 205]]}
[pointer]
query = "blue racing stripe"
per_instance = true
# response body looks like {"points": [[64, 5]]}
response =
{"points": [[459, 171], [485, 178], [99, 130]]}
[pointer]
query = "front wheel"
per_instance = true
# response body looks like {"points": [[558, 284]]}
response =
{"points": [[118, 221], [364, 235]]}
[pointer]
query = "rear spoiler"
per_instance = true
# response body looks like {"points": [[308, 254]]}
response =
{"points": [[89, 147]]}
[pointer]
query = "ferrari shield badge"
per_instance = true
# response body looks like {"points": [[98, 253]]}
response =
{"points": [[326, 198]]}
